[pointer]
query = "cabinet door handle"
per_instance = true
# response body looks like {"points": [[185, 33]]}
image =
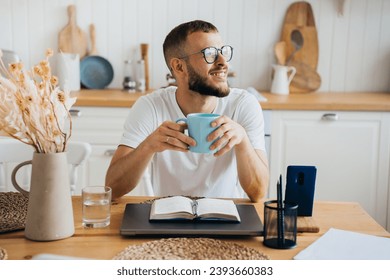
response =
{"points": [[330, 117], [75, 112], [109, 153]]}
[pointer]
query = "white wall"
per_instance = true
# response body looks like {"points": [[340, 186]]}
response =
{"points": [[354, 48]]}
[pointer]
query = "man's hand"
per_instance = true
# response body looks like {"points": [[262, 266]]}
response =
{"points": [[169, 136], [229, 133]]}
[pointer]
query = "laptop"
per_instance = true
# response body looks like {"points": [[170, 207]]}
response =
{"points": [[136, 223]]}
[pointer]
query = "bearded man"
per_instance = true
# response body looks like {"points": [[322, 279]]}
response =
{"points": [[199, 61]]}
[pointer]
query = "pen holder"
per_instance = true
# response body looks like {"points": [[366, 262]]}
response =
{"points": [[280, 225]]}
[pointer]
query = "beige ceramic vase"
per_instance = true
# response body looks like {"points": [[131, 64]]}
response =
{"points": [[49, 212]]}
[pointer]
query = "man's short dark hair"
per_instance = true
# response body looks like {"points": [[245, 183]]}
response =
{"points": [[175, 41]]}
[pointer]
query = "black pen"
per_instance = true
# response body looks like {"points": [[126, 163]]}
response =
{"points": [[280, 217]]}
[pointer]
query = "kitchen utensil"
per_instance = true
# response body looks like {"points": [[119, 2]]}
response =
{"points": [[283, 76], [68, 70], [306, 78], [145, 58], [96, 72], [299, 16], [297, 41], [71, 38], [92, 33], [280, 52]]}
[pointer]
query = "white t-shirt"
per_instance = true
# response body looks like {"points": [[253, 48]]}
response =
{"points": [[193, 174]]}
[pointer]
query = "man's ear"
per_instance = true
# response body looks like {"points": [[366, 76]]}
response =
{"points": [[177, 67]]}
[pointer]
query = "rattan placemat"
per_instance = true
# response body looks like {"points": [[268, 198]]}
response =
{"points": [[13, 211], [3, 254], [189, 249]]}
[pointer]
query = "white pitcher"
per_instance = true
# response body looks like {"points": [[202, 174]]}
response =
{"points": [[283, 76], [68, 71]]}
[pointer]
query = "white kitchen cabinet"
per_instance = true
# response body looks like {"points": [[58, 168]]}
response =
{"points": [[102, 127], [350, 150]]}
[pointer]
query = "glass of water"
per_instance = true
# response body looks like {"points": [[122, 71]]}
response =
{"points": [[96, 206]]}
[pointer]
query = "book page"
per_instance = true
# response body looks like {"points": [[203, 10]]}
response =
{"points": [[173, 204], [218, 208]]}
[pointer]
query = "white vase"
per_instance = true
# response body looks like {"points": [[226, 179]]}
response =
{"points": [[49, 212]]}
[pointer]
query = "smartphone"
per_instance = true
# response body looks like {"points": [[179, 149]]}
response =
{"points": [[300, 187]]}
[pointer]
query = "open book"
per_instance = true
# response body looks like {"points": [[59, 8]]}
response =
{"points": [[180, 207]]}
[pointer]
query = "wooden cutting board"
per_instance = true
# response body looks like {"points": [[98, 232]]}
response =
{"points": [[71, 38], [307, 224], [299, 16]]}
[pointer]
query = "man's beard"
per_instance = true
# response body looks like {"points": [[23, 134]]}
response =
{"points": [[199, 84]]}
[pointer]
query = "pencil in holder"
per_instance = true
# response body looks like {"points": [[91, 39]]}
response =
{"points": [[280, 225]]}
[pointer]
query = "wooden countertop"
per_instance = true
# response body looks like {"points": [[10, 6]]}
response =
{"points": [[337, 101], [105, 243]]}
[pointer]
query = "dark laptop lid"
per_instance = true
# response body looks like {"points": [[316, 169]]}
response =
{"points": [[136, 222]]}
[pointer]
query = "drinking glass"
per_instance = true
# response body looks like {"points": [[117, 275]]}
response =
{"points": [[96, 206]]}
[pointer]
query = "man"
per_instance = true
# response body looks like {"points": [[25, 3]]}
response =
{"points": [[198, 60]]}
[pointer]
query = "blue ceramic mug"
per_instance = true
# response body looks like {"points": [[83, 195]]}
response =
{"points": [[199, 127]]}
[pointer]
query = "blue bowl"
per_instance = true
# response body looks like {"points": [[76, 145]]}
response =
{"points": [[96, 72]]}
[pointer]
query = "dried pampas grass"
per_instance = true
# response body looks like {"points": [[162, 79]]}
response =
{"points": [[33, 109]]}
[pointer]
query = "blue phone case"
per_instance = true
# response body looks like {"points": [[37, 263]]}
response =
{"points": [[300, 187]]}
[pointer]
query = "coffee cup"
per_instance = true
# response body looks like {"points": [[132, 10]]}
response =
{"points": [[199, 128]]}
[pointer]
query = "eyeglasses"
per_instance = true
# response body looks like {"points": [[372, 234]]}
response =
{"points": [[210, 54]]}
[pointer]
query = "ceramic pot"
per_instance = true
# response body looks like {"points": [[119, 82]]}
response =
{"points": [[49, 211]]}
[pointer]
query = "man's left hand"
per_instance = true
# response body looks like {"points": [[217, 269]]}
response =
{"points": [[229, 133]]}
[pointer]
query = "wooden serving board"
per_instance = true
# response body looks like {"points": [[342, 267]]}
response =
{"points": [[299, 16], [71, 38], [307, 224]]}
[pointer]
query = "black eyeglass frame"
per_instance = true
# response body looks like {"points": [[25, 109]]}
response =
{"points": [[219, 51]]}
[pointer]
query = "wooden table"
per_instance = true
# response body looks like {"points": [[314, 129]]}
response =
{"points": [[107, 242]]}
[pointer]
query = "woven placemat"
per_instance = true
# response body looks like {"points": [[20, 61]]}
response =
{"points": [[13, 211], [3, 254], [189, 249]]}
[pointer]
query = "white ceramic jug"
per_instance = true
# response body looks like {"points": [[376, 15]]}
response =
{"points": [[68, 71], [283, 76]]}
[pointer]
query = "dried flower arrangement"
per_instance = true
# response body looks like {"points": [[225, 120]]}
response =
{"points": [[33, 109]]}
